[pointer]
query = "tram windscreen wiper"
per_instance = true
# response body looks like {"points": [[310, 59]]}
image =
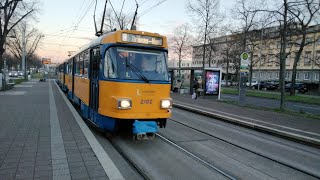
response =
{"points": [[136, 71]]}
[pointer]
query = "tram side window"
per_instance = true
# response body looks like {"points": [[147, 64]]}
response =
{"points": [[110, 71], [81, 58], [86, 63], [77, 63], [70, 66], [66, 65]]}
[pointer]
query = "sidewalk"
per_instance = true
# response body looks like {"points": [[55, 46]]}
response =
{"points": [[295, 127], [41, 138]]}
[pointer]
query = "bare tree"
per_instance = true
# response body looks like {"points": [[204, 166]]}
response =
{"points": [[304, 13], [207, 18], [116, 20], [180, 42], [11, 13], [32, 40]]}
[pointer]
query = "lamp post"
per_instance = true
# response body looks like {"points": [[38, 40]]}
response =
{"points": [[24, 64]]}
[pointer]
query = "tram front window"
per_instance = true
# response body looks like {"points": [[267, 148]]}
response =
{"points": [[136, 64]]}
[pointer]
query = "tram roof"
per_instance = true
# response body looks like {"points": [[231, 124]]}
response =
{"points": [[116, 37]]}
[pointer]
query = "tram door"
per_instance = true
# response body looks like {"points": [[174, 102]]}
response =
{"points": [[94, 76]]}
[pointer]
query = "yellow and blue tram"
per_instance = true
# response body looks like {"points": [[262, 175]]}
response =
{"points": [[120, 80]]}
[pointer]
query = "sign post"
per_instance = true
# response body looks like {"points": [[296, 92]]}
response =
{"points": [[244, 74]]}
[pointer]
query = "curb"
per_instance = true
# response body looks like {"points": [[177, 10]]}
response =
{"points": [[301, 138]]}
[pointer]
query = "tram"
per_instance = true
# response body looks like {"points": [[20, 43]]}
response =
{"points": [[121, 81]]}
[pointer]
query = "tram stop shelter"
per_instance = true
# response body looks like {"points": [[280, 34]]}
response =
{"points": [[209, 72]]}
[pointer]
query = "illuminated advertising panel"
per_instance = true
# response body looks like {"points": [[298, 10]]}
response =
{"points": [[212, 82]]}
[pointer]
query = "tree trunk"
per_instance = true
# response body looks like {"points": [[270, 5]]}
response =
{"points": [[295, 63], [283, 31], [227, 75], [251, 68]]}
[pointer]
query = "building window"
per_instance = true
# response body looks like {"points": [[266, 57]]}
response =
{"points": [[316, 76], [307, 58], [270, 59], [253, 75], [269, 75], [309, 41], [297, 76], [261, 75], [306, 76], [287, 75], [288, 61], [277, 75]]}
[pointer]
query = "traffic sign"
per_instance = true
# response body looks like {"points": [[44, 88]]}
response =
{"points": [[244, 56]]}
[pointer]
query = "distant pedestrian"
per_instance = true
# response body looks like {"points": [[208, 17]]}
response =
{"points": [[195, 88], [178, 86]]}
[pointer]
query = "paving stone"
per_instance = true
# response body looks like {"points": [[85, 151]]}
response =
{"points": [[92, 163], [62, 177], [99, 178], [7, 176], [38, 174], [8, 170], [81, 175]]}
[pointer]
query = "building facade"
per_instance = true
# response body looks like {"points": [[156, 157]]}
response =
{"points": [[264, 48]]}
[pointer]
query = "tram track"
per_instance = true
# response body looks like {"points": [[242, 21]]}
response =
{"points": [[197, 158], [127, 158], [244, 148]]}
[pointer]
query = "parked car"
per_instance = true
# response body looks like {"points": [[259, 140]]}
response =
{"points": [[271, 86], [20, 73], [252, 83], [260, 84], [300, 87], [224, 83], [13, 74]]}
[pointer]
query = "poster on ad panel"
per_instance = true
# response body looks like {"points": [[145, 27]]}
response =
{"points": [[212, 82]]}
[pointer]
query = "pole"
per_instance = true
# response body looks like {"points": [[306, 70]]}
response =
{"points": [[261, 38], [24, 64]]}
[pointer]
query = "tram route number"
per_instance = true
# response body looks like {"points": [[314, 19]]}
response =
{"points": [[143, 101]]}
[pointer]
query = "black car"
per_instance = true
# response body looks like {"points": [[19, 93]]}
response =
{"points": [[267, 85], [300, 87]]}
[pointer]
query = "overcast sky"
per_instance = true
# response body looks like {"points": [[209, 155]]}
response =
{"points": [[58, 19]]}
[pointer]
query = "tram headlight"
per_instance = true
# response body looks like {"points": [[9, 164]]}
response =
{"points": [[166, 103], [124, 103]]}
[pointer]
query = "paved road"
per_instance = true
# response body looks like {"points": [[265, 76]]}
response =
{"points": [[274, 104]]}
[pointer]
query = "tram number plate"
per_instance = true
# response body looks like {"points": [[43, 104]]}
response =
{"points": [[146, 101]]}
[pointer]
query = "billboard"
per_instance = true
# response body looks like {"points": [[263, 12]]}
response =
{"points": [[212, 81], [46, 61]]}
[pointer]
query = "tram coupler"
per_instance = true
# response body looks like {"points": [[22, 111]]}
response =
{"points": [[144, 130]]}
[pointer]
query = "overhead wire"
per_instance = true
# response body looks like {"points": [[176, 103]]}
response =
{"points": [[80, 19], [152, 7]]}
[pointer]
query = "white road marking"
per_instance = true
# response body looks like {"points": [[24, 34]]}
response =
{"points": [[109, 167], [58, 152]]}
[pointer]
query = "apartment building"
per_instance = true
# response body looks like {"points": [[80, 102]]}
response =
{"points": [[265, 55]]}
